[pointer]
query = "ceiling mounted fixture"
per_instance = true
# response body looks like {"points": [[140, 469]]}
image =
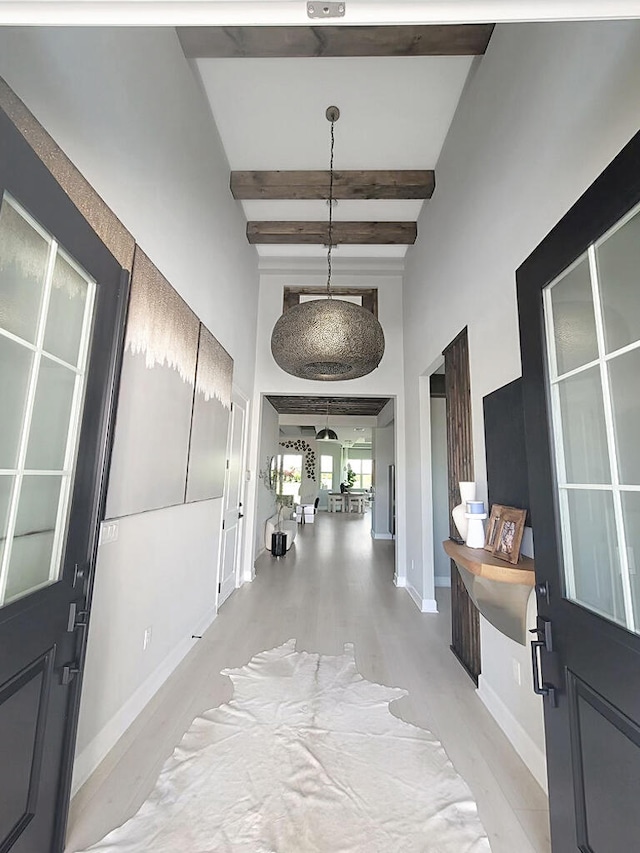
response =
{"points": [[327, 434], [328, 339]]}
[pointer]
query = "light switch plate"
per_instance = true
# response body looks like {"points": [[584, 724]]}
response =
{"points": [[108, 532]]}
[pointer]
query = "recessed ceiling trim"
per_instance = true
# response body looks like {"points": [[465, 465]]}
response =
{"points": [[331, 41], [353, 184], [361, 233]]}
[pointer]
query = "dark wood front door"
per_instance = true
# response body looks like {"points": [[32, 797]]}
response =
{"points": [[579, 307], [62, 306]]}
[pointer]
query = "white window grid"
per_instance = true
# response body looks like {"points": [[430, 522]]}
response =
{"points": [[616, 488], [20, 472], [358, 466], [326, 470]]}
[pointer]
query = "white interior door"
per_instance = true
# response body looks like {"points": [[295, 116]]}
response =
{"points": [[233, 500]]}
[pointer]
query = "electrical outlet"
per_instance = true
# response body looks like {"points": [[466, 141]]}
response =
{"points": [[517, 672], [147, 638], [108, 532]]}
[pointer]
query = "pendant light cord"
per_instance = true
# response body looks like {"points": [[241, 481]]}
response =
{"points": [[330, 214]]}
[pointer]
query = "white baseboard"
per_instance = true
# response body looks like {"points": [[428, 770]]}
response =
{"points": [[400, 581], [521, 741], [375, 535], [96, 750], [424, 605], [249, 576], [442, 581]]}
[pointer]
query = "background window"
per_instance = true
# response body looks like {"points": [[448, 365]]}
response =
{"points": [[362, 468], [326, 472]]}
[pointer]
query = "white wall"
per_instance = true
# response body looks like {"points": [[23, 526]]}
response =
{"points": [[125, 107], [386, 380], [334, 450], [545, 111], [440, 490], [384, 456], [265, 505], [310, 480]]}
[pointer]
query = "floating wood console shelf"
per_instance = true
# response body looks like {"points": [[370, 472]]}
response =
{"points": [[483, 564], [500, 590]]}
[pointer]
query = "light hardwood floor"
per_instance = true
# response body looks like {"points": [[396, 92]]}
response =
{"points": [[334, 586]]}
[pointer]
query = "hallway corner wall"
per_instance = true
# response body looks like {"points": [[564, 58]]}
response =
{"points": [[384, 447], [265, 504], [544, 111], [440, 490], [124, 106]]}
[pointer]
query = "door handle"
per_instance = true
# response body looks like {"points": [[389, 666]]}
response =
{"points": [[240, 515], [539, 687], [69, 672]]}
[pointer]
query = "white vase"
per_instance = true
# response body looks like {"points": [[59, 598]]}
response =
{"points": [[475, 530], [467, 493]]}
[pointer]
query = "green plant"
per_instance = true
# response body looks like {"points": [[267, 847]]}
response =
{"points": [[351, 477], [282, 503]]}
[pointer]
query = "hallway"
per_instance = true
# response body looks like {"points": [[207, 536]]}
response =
{"points": [[334, 586]]}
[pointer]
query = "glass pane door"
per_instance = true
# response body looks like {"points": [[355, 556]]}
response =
{"points": [[46, 310], [592, 322]]}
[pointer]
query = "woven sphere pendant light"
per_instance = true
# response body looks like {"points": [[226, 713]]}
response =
{"points": [[328, 339]]}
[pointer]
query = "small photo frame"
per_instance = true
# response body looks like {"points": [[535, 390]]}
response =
{"points": [[492, 526], [508, 537]]}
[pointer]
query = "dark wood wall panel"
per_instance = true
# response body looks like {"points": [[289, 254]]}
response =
{"points": [[465, 621]]}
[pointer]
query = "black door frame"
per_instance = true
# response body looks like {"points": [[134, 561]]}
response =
{"points": [[607, 200], [27, 178]]}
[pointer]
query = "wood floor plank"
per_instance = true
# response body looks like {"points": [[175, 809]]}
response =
{"points": [[334, 586]]}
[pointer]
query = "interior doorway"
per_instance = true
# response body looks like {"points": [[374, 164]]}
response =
{"points": [[332, 454], [231, 547]]}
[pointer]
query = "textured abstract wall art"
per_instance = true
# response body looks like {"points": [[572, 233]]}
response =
{"points": [[153, 423], [210, 425], [307, 758]]}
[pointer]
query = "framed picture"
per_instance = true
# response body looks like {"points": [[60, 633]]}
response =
{"points": [[508, 535], [492, 526]]}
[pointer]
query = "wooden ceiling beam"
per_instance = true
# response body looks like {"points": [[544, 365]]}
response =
{"points": [[355, 184], [370, 233], [330, 40], [367, 406]]}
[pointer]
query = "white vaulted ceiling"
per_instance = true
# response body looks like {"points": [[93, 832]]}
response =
{"points": [[395, 114]]}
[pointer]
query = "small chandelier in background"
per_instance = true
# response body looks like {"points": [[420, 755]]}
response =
{"points": [[328, 339], [327, 434]]}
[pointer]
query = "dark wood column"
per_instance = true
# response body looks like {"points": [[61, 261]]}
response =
{"points": [[465, 620]]}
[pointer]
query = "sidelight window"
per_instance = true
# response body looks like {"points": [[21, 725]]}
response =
{"points": [[46, 310], [592, 322]]}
